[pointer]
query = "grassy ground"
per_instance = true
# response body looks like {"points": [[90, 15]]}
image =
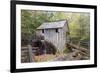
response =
{"points": [[48, 57], [44, 58]]}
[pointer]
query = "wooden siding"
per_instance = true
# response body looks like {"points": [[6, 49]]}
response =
{"points": [[57, 38]]}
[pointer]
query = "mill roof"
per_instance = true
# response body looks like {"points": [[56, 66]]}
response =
{"points": [[52, 25]]}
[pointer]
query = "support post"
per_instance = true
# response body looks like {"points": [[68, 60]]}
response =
{"points": [[31, 54]]}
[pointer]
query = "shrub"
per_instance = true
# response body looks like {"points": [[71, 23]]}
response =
{"points": [[66, 50]]}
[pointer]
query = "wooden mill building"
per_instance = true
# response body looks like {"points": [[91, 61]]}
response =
{"points": [[55, 32]]}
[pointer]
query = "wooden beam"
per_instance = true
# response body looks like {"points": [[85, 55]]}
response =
{"points": [[77, 47], [31, 54]]}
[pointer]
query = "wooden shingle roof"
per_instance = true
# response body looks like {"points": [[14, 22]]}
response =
{"points": [[52, 25]]}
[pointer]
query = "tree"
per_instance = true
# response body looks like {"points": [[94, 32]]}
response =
{"points": [[79, 23]]}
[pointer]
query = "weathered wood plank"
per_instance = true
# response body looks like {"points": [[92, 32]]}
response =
{"points": [[24, 54], [24, 48], [77, 47], [31, 54]]}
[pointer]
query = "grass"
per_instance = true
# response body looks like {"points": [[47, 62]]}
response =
{"points": [[44, 58], [66, 50], [50, 57]]}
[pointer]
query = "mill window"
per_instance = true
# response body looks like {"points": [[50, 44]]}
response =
{"points": [[56, 30], [42, 30]]}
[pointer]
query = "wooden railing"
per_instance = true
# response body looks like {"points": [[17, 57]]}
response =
{"points": [[83, 51], [27, 53]]}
